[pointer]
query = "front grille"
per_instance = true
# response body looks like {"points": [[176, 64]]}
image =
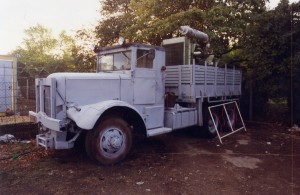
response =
{"points": [[47, 101]]}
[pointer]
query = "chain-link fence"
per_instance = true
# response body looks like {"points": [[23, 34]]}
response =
{"points": [[16, 99], [17, 86]]}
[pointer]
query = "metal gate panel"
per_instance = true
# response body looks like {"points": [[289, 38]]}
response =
{"points": [[228, 120]]}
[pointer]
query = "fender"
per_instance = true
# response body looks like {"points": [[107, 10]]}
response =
{"points": [[88, 115]]}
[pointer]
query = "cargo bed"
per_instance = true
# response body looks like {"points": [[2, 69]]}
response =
{"points": [[190, 82]]}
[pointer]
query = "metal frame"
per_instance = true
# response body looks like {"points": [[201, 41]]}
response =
{"points": [[228, 120]]}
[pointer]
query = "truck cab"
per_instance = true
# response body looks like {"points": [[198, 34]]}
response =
{"points": [[142, 85]]}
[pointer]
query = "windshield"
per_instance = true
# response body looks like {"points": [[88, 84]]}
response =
{"points": [[115, 62]]}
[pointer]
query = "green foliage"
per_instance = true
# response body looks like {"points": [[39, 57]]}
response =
{"points": [[108, 31], [242, 33], [115, 7], [268, 48], [37, 51], [151, 21], [82, 53], [157, 20], [295, 61], [43, 54], [118, 16]]}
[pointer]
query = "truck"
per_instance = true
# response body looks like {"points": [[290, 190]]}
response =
{"points": [[8, 84], [137, 88]]}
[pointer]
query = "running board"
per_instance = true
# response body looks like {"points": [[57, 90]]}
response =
{"points": [[158, 131], [45, 141]]}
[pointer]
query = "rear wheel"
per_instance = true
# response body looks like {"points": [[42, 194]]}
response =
{"points": [[232, 118], [209, 126], [109, 142]]}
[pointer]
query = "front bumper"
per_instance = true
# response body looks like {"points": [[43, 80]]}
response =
{"points": [[47, 122], [54, 138]]}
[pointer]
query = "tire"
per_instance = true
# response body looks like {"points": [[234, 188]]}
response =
{"points": [[209, 127], [109, 142], [88, 144], [232, 119]]}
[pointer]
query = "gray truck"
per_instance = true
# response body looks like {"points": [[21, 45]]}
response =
{"points": [[137, 88]]}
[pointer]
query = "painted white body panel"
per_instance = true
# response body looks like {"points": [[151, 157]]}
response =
{"points": [[89, 114], [190, 82], [144, 86]]}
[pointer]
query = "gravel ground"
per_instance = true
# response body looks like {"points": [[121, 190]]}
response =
{"points": [[263, 160]]}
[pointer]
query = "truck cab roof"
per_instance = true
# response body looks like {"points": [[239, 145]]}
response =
{"points": [[126, 46]]}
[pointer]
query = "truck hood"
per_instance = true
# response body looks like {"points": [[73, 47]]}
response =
{"points": [[89, 88]]}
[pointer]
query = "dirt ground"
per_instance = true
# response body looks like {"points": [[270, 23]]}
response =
{"points": [[263, 160]]}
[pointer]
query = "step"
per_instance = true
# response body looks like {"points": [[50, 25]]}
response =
{"points": [[158, 131], [43, 140]]}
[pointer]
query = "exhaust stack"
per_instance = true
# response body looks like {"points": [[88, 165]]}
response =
{"points": [[186, 30]]}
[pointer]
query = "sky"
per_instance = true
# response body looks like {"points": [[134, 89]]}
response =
{"points": [[57, 15]]}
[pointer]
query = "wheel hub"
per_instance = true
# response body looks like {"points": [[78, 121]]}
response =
{"points": [[211, 126], [112, 140], [115, 142]]}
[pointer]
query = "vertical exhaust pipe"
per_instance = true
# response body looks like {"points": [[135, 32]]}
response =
{"points": [[188, 31]]}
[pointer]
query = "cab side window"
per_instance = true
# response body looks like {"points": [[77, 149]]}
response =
{"points": [[143, 59]]}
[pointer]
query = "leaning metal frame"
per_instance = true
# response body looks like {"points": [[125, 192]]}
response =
{"points": [[228, 120]]}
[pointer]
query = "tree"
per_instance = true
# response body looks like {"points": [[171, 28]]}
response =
{"points": [[42, 54], [155, 20], [82, 53], [267, 55], [224, 21], [242, 33], [37, 50], [117, 16], [151, 21], [295, 63]]}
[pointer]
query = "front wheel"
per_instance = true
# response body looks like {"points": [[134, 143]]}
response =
{"points": [[110, 142]]}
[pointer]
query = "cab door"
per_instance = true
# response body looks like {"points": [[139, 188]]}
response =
{"points": [[148, 88], [144, 87], [144, 79]]}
